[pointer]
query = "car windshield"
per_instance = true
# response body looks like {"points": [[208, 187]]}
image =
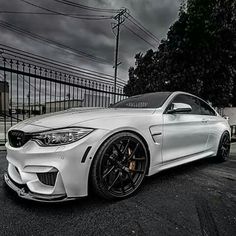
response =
{"points": [[148, 100]]}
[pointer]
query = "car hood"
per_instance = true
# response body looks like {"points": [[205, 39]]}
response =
{"points": [[79, 117]]}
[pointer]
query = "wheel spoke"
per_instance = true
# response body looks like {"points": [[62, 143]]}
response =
{"points": [[223, 148], [108, 172], [132, 154], [223, 153], [117, 177], [227, 143], [112, 159], [126, 147], [117, 149], [131, 180]]}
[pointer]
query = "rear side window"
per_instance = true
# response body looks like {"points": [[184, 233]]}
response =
{"points": [[192, 101], [206, 109]]}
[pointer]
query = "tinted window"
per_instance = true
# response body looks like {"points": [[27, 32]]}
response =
{"points": [[192, 101], [148, 100], [206, 109]]}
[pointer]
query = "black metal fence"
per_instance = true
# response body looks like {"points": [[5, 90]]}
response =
{"points": [[31, 85]]}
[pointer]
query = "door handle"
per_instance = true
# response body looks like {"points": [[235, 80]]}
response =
{"points": [[204, 120]]}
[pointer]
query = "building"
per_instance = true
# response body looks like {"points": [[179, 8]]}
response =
{"points": [[4, 94]]}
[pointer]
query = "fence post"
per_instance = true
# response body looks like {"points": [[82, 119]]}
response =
{"points": [[17, 90], [35, 73], [23, 105], [11, 62], [4, 104]]}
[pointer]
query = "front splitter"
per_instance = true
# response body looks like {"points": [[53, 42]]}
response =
{"points": [[24, 193]]}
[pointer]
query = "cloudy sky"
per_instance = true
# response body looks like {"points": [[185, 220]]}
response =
{"points": [[94, 37]]}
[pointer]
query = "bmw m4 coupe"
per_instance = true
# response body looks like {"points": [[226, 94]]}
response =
{"points": [[59, 156]]}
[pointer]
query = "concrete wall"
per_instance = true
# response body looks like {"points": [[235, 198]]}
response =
{"points": [[231, 113]]}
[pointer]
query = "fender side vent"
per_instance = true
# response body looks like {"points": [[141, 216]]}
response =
{"points": [[85, 154]]}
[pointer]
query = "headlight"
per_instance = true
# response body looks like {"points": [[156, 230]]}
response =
{"points": [[60, 136]]}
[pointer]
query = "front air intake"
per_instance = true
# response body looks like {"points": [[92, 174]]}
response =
{"points": [[48, 178]]}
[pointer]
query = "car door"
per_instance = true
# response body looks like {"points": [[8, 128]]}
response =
{"points": [[184, 134], [211, 119]]}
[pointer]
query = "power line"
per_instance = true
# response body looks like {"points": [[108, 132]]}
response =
{"points": [[85, 7], [143, 31], [6, 49], [65, 14], [26, 56], [141, 27], [93, 17], [52, 43], [133, 32]]}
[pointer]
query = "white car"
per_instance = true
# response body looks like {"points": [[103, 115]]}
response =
{"points": [[57, 157]]}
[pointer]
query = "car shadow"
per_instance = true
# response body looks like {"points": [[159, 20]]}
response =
{"points": [[93, 200], [183, 169]]}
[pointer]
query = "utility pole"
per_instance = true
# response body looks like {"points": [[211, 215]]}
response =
{"points": [[120, 19]]}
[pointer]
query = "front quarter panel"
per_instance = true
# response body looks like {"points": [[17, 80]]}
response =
{"points": [[148, 126]]}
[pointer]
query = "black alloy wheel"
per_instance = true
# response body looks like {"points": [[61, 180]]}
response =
{"points": [[224, 147], [119, 166]]}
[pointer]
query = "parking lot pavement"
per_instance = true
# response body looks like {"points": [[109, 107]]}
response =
{"points": [[194, 199]]}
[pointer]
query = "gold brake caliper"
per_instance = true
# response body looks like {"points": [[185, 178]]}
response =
{"points": [[132, 164]]}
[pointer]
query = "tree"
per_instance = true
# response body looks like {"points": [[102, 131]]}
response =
{"points": [[141, 78], [198, 56]]}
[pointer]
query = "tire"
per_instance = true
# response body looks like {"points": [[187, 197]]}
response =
{"points": [[119, 166], [223, 148]]}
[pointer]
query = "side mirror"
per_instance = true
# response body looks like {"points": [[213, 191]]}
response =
{"points": [[179, 107], [226, 117]]}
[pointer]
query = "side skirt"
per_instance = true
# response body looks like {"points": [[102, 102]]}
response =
{"points": [[176, 162]]}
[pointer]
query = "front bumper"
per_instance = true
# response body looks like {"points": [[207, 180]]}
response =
{"points": [[24, 192], [27, 163]]}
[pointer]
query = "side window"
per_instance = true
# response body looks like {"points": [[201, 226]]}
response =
{"points": [[192, 101], [206, 109]]}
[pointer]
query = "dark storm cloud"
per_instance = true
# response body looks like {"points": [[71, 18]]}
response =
{"points": [[93, 37]]}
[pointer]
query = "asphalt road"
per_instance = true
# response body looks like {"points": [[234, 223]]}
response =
{"points": [[193, 199]]}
